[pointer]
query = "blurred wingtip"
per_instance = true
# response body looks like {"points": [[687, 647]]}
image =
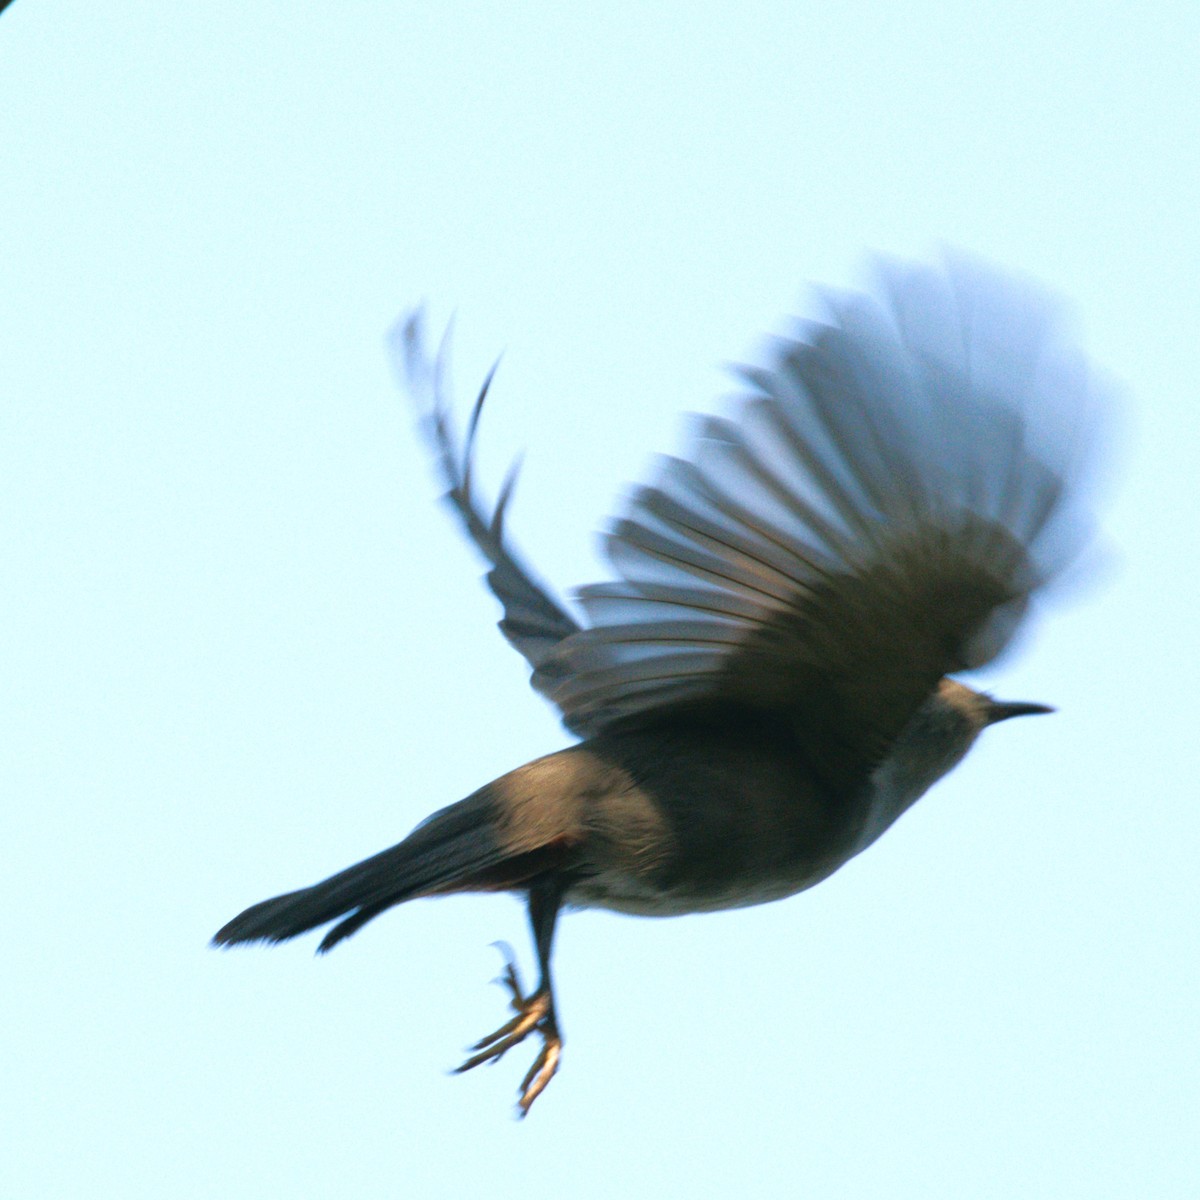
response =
{"points": [[405, 342]]}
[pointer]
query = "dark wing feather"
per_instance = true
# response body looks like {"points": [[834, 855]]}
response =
{"points": [[533, 621]]}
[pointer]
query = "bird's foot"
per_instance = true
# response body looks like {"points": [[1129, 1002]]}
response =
{"points": [[533, 1012]]}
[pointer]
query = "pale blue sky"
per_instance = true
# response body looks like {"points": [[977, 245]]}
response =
{"points": [[242, 645]]}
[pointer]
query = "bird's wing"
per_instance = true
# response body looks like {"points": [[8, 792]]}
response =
{"points": [[534, 622], [876, 515]]}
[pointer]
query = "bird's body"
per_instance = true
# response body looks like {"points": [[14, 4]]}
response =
{"points": [[714, 812], [762, 692]]}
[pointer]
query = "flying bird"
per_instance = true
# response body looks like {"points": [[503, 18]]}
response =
{"points": [[765, 685]]}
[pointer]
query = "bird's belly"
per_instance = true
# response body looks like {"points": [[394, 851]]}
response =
{"points": [[635, 896], [797, 848]]}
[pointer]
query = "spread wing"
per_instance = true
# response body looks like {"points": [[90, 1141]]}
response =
{"points": [[877, 513], [534, 622]]}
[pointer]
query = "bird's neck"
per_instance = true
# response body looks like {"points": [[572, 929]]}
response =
{"points": [[934, 742]]}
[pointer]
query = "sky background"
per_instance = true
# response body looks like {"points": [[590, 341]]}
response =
{"points": [[242, 645]]}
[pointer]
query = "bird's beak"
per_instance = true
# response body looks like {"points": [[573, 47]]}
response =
{"points": [[1001, 710]]}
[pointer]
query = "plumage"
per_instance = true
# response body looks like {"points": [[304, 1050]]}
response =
{"points": [[762, 688]]}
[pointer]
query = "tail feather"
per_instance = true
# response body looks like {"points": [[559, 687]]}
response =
{"points": [[453, 847]]}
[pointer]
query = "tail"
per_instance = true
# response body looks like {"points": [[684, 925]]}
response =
{"points": [[456, 849]]}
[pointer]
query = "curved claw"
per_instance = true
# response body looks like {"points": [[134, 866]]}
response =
{"points": [[509, 979], [530, 1014], [533, 1013], [543, 1070]]}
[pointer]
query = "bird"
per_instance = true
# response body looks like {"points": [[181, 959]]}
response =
{"points": [[767, 682]]}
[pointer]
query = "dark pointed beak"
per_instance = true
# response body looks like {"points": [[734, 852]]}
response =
{"points": [[1001, 710]]}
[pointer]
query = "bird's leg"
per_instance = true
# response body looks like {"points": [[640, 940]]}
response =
{"points": [[535, 1011], [545, 900]]}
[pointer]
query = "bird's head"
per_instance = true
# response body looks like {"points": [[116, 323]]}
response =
{"points": [[978, 710], [946, 726]]}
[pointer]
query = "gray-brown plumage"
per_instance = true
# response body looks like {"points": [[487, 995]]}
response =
{"points": [[763, 688]]}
